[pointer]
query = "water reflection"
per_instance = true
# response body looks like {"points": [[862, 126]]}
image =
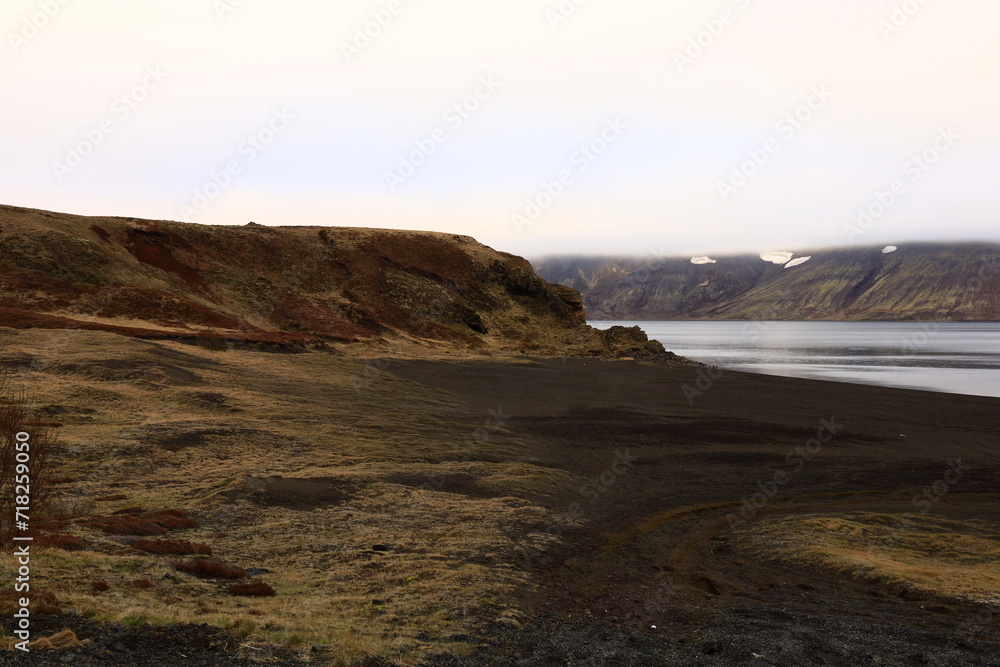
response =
{"points": [[959, 358]]}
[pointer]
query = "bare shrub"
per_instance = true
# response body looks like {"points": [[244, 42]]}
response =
{"points": [[16, 418]]}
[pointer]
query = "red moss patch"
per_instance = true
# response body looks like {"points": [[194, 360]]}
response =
{"points": [[153, 523], [281, 340], [172, 548], [100, 586], [62, 480], [126, 526], [173, 519], [103, 233], [161, 258], [210, 569], [165, 308], [61, 541], [51, 525], [129, 510], [255, 589], [142, 583], [305, 315]]}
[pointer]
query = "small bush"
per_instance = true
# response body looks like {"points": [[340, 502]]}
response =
{"points": [[129, 510], [210, 569], [100, 585], [62, 480], [16, 415], [254, 589], [142, 583], [62, 541], [172, 548]]}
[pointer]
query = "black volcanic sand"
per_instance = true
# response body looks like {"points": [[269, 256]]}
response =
{"points": [[654, 547], [131, 646], [692, 462]]}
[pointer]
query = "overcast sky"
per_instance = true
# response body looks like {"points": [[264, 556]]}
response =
{"points": [[633, 126]]}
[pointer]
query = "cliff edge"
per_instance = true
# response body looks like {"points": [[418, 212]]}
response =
{"points": [[286, 287]]}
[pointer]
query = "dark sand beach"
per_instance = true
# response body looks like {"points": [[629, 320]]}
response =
{"points": [[663, 544]]}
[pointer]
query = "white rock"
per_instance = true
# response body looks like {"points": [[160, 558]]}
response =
{"points": [[703, 260], [889, 248]]}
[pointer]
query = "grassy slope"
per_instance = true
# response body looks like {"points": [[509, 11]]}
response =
{"points": [[173, 426], [277, 284]]}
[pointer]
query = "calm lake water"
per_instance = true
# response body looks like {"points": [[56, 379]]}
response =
{"points": [[960, 358]]}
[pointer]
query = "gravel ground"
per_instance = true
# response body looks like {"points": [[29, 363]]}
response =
{"points": [[116, 645], [742, 637]]}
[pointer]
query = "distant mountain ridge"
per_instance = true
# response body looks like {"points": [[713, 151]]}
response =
{"points": [[916, 281]]}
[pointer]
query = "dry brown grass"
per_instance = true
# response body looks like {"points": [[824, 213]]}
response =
{"points": [[60, 641], [172, 548], [959, 559], [42, 601], [448, 569]]}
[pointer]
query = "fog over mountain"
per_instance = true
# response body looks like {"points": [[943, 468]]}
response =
{"points": [[920, 281]]}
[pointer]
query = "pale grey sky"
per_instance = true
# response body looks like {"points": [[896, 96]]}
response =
{"points": [[538, 127]]}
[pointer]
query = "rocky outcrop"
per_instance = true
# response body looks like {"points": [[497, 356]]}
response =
{"points": [[281, 287], [571, 298]]}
